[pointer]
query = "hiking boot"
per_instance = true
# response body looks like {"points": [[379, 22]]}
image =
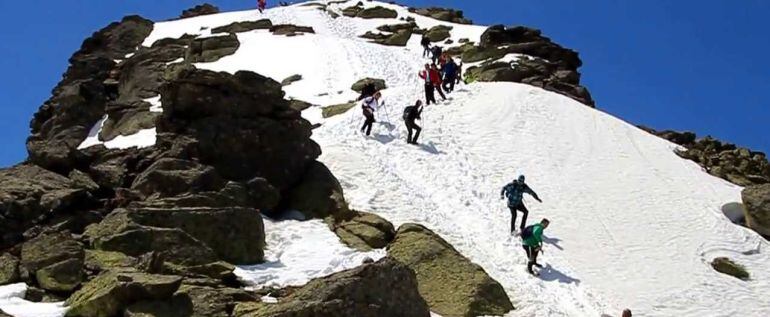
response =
{"points": [[538, 265]]}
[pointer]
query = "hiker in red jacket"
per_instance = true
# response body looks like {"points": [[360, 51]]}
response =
{"points": [[435, 77], [261, 4]]}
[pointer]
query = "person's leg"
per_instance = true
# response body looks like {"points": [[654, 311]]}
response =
{"points": [[440, 93], [369, 126], [427, 94], [528, 252], [525, 213], [417, 133], [452, 81], [513, 219], [431, 94], [535, 252], [409, 132]]}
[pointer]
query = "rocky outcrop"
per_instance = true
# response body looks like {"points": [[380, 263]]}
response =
{"points": [[364, 231], [290, 29], [9, 269], [450, 283], [443, 14], [318, 194], [203, 9], [244, 26], [399, 38], [211, 49], [333, 110], [737, 165], [438, 33], [379, 84], [201, 235], [377, 12], [395, 28], [551, 67], [54, 260], [756, 201], [79, 100], [299, 105], [291, 79], [384, 288], [727, 266], [109, 293]]}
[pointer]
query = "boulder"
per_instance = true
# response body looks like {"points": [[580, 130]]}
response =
{"points": [[727, 266], [352, 11], [384, 288], [450, 283], [78, 101], [333, 110], [214, 302], [377, 37], [127, 119], [244, 26], [377, 12], [438, 33], [211, 49], [235, 235], [291, 79], [318, 194], [400, 38], [55, 260], [299, 105], [394, 28], [100, 261], [498, 35], [202, 9], [171, 177], [29, 195], [110, 292], [224, 137], [443, 14], [364, 231], [756, 200], [290, 29], [379, 84], [9, 269]]}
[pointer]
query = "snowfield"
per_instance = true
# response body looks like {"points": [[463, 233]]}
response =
{"points": [[633, 225]]}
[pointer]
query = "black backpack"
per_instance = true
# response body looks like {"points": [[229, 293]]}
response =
{"points": [[527, 232], [408, 112]]}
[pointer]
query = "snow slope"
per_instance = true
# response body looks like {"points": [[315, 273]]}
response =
{"points": [[633, 225]]}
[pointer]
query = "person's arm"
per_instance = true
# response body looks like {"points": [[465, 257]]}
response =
{"points": [[419, 111], [532, 192], [422, 74], [502, 192]]}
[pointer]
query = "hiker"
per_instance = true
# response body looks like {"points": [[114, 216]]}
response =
{"points": [[425, 74], [425, 42], [369, 106], [436, 80], [261, 4], [412, 113], [442, 60], [436, 52], [515, 193], [450, 75], [532, 242], [367, 91]]}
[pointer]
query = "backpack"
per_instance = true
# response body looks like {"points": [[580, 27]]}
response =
{"points": [[515, 194], [408, 112], [527, 232]]}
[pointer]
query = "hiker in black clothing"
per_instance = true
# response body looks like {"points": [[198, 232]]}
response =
{"points": [[436, 52], [459, 73], [412, 113], [368, 90], [370, 105], [425, 42], [515, 193]]}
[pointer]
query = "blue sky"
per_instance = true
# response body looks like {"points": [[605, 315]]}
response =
{"points": [[687, 65]]}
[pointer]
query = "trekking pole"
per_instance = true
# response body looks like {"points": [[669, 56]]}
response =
{"points": [[385, 108]]}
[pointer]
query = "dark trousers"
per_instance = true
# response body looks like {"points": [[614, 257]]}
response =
{"points": [[440, 92], [367, 127], [426, 52], [449, 83], [531, 256], [429, 96], [410, 126], [524, 211]]}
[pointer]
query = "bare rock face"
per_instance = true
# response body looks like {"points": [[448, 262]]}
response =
{"points": [[443, 14], [203, 9], [384, 288], [245, 26], [756, 200]]}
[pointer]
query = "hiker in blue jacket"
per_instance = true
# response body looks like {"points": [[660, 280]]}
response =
{"points": [[515, 194], [450, 75]]}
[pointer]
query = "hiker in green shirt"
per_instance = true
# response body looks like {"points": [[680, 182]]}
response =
{"points": [[532, 241]]}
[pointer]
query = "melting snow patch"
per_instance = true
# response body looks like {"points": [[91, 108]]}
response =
{"points": [[298, 251], [143, 138], [12, 302], [155, 102]]}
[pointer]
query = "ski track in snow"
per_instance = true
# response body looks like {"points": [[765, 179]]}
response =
{"points": [[633, 225]]}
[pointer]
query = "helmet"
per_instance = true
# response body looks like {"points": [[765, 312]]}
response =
{"points": [[521, 178]]}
